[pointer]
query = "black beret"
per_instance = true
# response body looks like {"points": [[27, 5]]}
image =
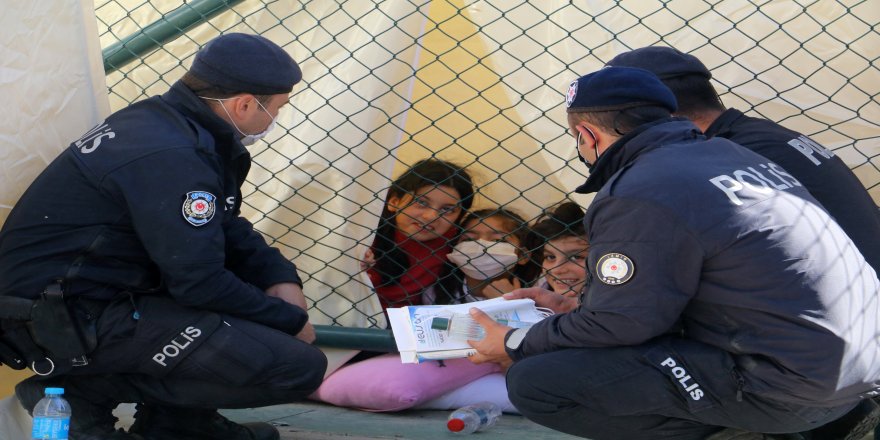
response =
{"points": [[665, 62], [618, 88], [246, 63]]}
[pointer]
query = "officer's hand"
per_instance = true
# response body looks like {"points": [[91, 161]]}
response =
{"points": [[545, 298], [491, 347], [307, 334], [290, 293]]}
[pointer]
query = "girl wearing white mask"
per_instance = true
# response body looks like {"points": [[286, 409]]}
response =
{"points": [[487, 261], [561, 248]]}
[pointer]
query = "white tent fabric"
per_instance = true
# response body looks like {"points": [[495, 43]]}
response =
{"points": [[52, 79]]}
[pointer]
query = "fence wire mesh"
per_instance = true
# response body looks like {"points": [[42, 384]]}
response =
{"points": [[480, 83]]}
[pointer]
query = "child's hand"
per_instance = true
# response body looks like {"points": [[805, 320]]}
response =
{"points": [[369, 260], [501, 286]]}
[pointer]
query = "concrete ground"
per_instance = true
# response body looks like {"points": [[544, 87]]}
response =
{"points": [[317, 421]]}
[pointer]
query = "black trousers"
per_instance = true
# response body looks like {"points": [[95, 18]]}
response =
{"points": [[154, 351], [665, 389]]}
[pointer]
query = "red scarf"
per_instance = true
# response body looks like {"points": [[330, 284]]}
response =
{"points": [[426, 259]]}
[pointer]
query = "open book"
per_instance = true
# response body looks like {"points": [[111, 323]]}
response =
{"points": [[417, 341]]}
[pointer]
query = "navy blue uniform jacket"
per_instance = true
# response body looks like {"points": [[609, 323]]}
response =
{"points": [[728, 248], [822, 173], [110, 215]]}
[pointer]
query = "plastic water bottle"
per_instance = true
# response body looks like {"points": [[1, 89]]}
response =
{"points": [[463, 327], [473, 418], [51, 416]]}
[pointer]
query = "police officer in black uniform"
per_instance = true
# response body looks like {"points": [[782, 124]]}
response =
{"points": [[714, 278], [818, 169], [180, 305]]}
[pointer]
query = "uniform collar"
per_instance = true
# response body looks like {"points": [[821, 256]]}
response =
{"points": [[225, 136], [721, 125], [625, 150]]}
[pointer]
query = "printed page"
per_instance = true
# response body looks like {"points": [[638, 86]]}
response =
{"points": [[417, 341]]}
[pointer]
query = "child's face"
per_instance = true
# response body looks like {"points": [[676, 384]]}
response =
{"points": [[427, 214], [489, 229], [565, 265]]}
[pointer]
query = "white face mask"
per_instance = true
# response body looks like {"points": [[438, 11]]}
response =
{"points": [[247, 139], [482, 259], [250, 139]]}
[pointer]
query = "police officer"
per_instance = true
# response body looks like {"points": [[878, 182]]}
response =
{"points": [[818, 169], [138, 224], [714, 278]]}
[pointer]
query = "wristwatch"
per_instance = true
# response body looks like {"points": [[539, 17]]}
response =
{"points": [[514, 339]]}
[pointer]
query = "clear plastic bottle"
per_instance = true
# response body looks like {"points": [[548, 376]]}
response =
{"points": [[473, 418], [51, 416], [462, 327]]}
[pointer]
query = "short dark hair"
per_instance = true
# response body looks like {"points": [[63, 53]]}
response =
{"points": [[622, 121], [695, 95], [204, 89]]}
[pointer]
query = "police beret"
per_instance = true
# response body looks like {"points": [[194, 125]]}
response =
{"points": [[618, 88], [665, 62], [246, 63]]}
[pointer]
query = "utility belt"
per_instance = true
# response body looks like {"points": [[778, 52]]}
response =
{"points": [[49, 335]]}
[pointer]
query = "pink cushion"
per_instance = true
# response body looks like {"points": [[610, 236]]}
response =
{"points": [[383, 383]]}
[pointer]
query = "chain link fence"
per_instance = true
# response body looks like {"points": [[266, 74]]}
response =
{"points": [[481, 84]]}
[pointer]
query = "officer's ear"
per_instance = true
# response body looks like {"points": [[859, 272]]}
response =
{"points": [[240, 106], [600, 138]]}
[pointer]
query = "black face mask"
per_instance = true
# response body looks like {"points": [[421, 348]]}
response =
{"points": [[584, 160], [578, 149]]}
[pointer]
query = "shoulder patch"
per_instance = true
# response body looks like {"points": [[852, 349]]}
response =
{"points": [[199, 207], [614, 269]]}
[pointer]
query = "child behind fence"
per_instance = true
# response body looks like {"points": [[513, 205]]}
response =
{"points": [[488, 259], [561, 247], [417, 228]]}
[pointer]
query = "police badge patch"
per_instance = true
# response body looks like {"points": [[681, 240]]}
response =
{"points": [[199, 207], [615, 269], [572, 93]]}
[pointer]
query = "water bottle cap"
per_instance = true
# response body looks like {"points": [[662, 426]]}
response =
{"points": [[455, 425], [440, 324], [54, 391]]}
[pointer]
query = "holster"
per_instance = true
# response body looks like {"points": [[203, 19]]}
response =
{"points": [[14, 338], [47, 333]]}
